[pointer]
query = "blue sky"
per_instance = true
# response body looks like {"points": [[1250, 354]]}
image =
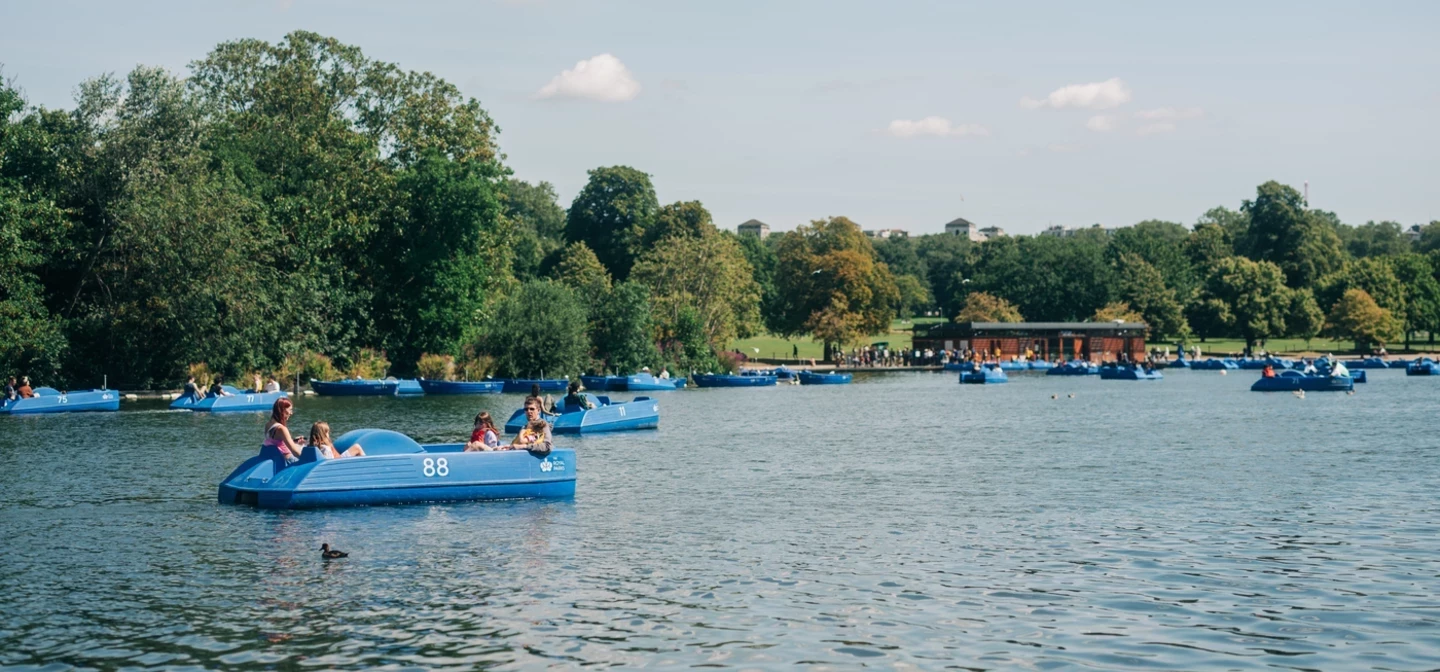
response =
{"points": [[895, 114]]}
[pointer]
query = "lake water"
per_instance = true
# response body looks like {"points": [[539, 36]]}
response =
{"points": [[902, 522]]}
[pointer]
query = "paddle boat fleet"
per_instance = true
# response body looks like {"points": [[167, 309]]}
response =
{"points": [[986, 374], [746, 379], [640, 382], [1423, 366], [51, 400], [461, 386], [396, 470], [362, 387], [1296, 381], [1075, 367], [1129, 372]]}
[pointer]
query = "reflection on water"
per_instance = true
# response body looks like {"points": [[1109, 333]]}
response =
{"points": [[903, 521]]}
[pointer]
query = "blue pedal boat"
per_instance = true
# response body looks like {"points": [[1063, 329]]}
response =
{"points": [[523, 385], [987, 374], [1180, 363], [731, 380], [461, 386], [603, 383], [51, 400], [812, 378], [1258, 363], [1423, 367], [645, 382], [1212, 364], [1074, 368], [396, 470], [359, 387], [1293, 381], [1368, 363], [1129, 372], [237, 401], [606, 416]]}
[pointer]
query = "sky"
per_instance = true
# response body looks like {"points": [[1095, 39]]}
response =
{"points": [[895, 114]]}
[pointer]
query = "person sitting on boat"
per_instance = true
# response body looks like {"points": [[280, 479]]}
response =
{"points": [[272, 386], [192, 390], [535, 435], [1339, 370], [664, 373], [277, 435], [574, 400], [1309, 369], [217, 389], [485, 436], [10, 393], [1267, 372], [258, 387], [320, 438], [24, 391]]}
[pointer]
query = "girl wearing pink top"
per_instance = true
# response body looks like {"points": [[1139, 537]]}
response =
{"points": [[277, 435]]}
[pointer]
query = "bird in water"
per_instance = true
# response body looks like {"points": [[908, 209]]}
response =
{"points": [[1054, 396], [330, 554], [1072, 395], [1299, 394], [1222, 372]]}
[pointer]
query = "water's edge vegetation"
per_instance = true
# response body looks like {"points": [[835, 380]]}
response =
{"points": [[300, 209]]}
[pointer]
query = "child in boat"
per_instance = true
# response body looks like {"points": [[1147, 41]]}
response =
{"points": [[535, 435], [277, 435], [485, 436], [320, 438], [1268, 372]]}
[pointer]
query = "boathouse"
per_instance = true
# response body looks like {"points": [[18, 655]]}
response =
{"points": [[1090, 341]]}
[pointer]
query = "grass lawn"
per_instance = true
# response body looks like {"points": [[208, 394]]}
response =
{"points": [[775, 347]]}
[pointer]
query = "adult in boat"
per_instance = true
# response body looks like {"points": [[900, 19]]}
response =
{"points": [[192, 390], [24, 391], [258, 388], [1268, 372], [1339, 370], [535, 435], [277, 435], [574, 399], [320, 438], [664, 373], [217, 388], [10, 393], [485, 436], [272, 386]]}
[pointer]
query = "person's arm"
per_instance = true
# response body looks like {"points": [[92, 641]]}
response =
{"points": [[290, 443], [542, 447]]}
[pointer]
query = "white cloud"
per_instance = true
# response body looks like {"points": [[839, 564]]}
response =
{"points": [[937, 126], [1102, 123], [1093, 96], [1170, 113], [603, 78], [1159, 127]]}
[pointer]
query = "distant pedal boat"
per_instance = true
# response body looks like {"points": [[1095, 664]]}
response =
{"points": [[1131, 372], [389, 387], [812, 378], [987, 374], [461, 386], [1293, 381], [396, 470], [237, 401], [523, 385], [732, 380], [51, 400], [606, 416]]}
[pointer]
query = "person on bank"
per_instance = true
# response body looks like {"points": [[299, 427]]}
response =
{"points": [[320, 438], [485, 436], [535, 435], [277, 435]]}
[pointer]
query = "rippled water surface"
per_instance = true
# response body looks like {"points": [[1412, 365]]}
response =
{"points": [[901, 522]]}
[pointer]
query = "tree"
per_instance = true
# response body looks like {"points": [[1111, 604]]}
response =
{"points": [[828, 278], [983, 307], [539, 330], [1375, 239], [1208, 244], [947, 260], [1304, 244], [621, 332], [682, 218], [705, 274], [1247, 298], [582, 272], [1234, 224], [539, 225], [1416, 276], [1430, 237], [1372, 274], [762, 259], [1162, 246], [1141, 288], [899, 253], [1117, 311], [1048, 277], [1305, 318], [914, 295], [612, 215], [431, 268], [1357, 317]]}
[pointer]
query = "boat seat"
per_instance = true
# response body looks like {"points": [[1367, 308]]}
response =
{"points": [[310, 454], [378, 442]]}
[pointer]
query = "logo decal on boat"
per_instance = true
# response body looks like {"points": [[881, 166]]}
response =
{"points": [[545, 465], [548, 464]]}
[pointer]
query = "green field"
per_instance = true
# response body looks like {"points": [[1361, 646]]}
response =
{"points": [[775, 347]]}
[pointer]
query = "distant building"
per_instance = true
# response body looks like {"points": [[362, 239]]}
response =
{"points": [[964, 227], [991, 232], [1412, 234], [1090, 341], [755, 227], [1063, 232], [888, 233]]}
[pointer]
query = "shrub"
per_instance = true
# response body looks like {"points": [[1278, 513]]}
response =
{"points": [[436, 367], [308, 366], [368, 363], [202, 373]]}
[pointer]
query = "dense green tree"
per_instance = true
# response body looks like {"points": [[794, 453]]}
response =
{"points": [[984, 307], [539, 225], [431, 268], [1305, 319], [1304, 244], [1374, 239], [1357, 317], [1207, 244], [1162, 246], [1374, 275], [1141, 287], [539, 330], [1416, 275], [1117, 311], [621, 334], [580, 270], [1429, 237], [688, 346], [705, 274], [612, 215], [900, 254], [1048, 277], [683, 218], [831, 284], [1236, 225], [914, 296], [947, 260], [1247, 298], [761, 256]]}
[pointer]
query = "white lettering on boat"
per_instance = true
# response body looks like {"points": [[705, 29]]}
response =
{"points": [[431, 467]]}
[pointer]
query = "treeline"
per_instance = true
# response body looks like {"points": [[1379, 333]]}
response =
{"points": [[1273, 268], [300, 209]]}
